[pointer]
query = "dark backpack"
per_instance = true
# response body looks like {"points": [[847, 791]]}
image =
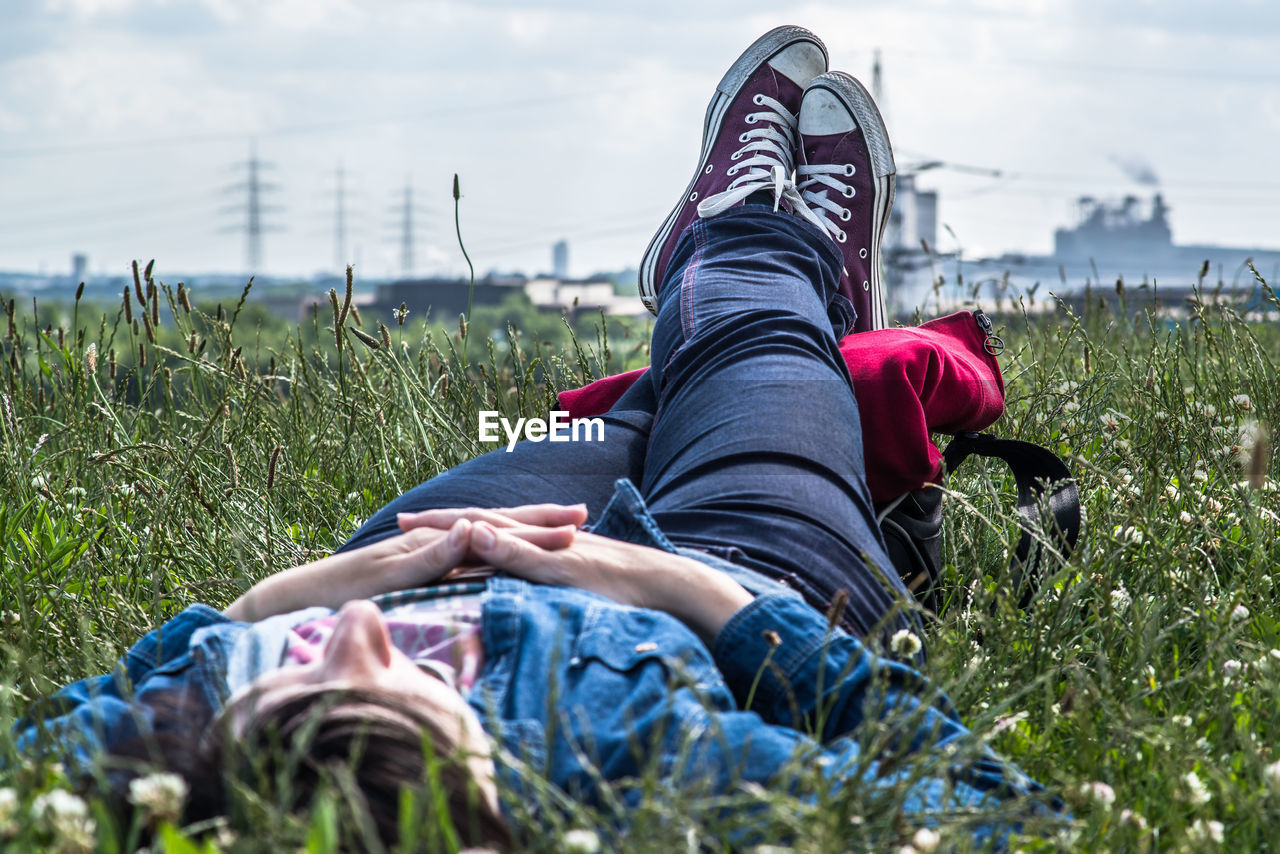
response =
{"points": [[912, 524]]}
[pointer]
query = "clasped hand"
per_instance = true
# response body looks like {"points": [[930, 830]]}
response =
{"points": [[536, 542], [541, 543]]}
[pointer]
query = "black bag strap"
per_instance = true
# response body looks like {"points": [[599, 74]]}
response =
{"points": [[1038, 473]]}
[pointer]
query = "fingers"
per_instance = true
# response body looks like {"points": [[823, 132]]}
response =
{"points": [[504, 550], [546, 515], [433, 544], [440, 554]]}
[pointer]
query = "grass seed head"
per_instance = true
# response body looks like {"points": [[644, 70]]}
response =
{"points": [[137, 285]]}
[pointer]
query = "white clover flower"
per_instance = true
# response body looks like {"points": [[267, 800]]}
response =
{"points": [[1201, 832], [1066, 387], [1120, 599], [1129, 535], [1008, 722], [1242, 402], [1098, 792], [59, 803], [1212, 504], [8, 811], [1110, 421], [1232, 667], [159, 796], [1239, 613], [581, 840], [1172, 493], [38, 482], [1186, 518], [1200, 475], [904, 643], [1197, 792], [1123, 446], [1181, 720], [1272, 775], [926, 840], [1070, 407], [1133, 819], [67, 816], [125, 489]]}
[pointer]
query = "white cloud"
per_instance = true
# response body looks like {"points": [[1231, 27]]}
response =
{"points": [[88, 88], [92, 8], [570, 117]]}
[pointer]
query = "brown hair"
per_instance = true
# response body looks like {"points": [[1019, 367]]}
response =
{"points": [[377, 740]]}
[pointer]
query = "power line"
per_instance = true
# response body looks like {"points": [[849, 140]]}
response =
{"points": [[309, 127], [253, 227], [340, 223], [406, 234], [407, 230]]}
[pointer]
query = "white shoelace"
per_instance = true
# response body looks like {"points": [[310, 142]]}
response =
{"points": [[818, 208], [770, 165]]}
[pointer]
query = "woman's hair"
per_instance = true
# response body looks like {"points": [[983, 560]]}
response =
{"points": [[377, 740]]}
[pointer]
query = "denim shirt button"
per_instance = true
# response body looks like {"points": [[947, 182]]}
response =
{"points": [[647, 646]]}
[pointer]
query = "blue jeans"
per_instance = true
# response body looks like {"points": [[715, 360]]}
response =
{"points": [[743, 437]]}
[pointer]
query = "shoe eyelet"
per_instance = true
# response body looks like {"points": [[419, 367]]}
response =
{"points": [[758, 99], [710, 168], [845, 215], [841, 237], [751, 118], [862, 253], [866, 286], [743, 137], [850, 191], [731, 170], [850, 169], [693, 197], [735, 155]]}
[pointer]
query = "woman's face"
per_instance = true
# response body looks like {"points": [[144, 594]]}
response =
{"points": [[359, 655]]}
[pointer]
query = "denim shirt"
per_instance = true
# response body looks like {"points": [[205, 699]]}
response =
{"points": [[578, 688]]}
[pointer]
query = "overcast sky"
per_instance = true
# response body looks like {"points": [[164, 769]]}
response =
{"points": [[122, 121]]}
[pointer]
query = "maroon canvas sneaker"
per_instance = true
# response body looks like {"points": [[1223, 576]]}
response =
{"points": [[846, 178], [748, 140]]}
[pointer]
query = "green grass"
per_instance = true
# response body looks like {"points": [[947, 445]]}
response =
{"points": [[173, 472]]}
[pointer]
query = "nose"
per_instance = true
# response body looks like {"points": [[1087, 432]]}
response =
{"points": [[359, 646]]}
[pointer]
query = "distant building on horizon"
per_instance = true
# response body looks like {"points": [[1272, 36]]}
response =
{"points": [[560, 259], [1114, 246]]}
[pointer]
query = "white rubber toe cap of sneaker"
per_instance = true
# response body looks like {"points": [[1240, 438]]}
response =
{"points": [[824, 114], [800, 63]]}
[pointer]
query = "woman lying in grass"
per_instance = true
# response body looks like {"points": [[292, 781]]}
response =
{"points": [[680, 644]]}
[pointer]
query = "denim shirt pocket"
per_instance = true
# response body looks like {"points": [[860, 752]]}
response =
{"points": [[626, 640]]}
